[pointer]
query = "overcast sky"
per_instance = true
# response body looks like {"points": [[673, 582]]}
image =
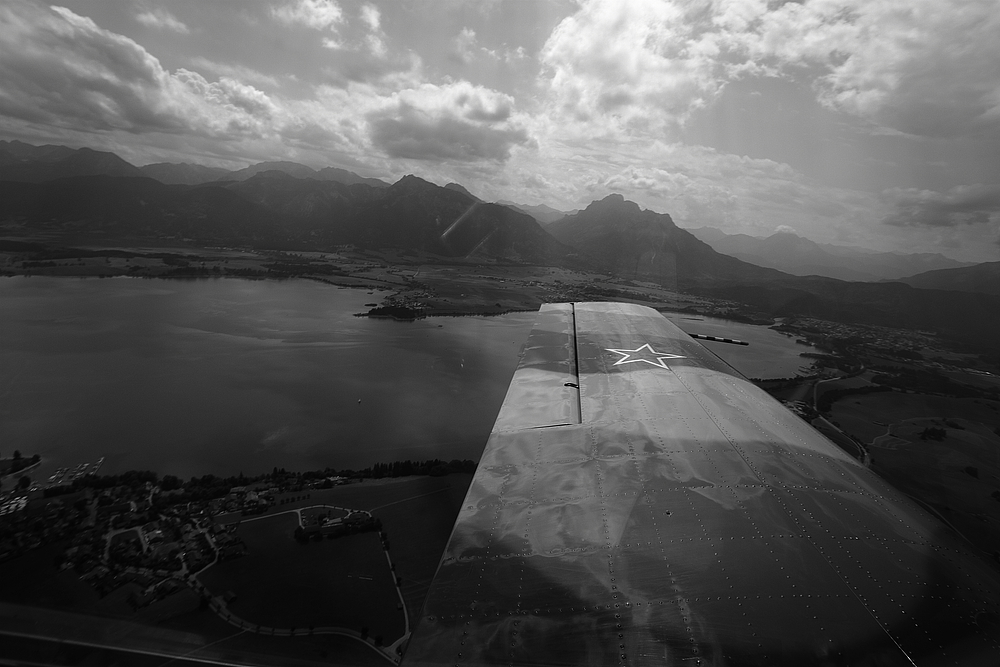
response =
{"points": [[863, 122]]}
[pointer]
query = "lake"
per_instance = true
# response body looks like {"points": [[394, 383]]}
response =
{"points": [[771, 354], [229, 376]]}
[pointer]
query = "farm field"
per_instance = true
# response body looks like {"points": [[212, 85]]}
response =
{"points": [[419, 528], [954, 468], [343, 582], [958, 474], [866, 416]]}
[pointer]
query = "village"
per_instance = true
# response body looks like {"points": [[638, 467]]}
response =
{"points": [[134, 528]]}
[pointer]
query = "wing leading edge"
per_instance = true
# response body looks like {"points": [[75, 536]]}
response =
{"points": [[639, 502]]}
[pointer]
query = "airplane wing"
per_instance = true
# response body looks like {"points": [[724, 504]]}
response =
{"points": [[639, 502]]}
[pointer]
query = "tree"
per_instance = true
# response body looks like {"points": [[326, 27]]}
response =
{"points": [[170, 482], [17, 454]]}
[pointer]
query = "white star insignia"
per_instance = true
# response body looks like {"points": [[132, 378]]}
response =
{"points": [[643, 353]]}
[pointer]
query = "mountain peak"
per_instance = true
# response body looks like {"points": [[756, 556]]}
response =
{"points": [[614, 203], [644, 244], [410, 182]]}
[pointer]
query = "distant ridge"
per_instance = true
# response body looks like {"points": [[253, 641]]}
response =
{"points": [[18, 151], [980, 278], [182, 173], [291, 168], [540, 212], [348, 177], [47, 163], [25, 163], [800, 256], [302, 171]]}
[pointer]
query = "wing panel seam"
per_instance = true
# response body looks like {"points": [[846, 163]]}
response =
{"points": [[576, 367]]}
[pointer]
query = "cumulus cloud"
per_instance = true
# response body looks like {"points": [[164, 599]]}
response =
{"points": [[457, 121], [961, 205], [162, 19], [638, 64], [61, 69], [922, 67]]}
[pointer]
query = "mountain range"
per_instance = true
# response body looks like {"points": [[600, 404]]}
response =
{"points": [[799, 256], [540, 212], [62, 194], [57, 194], [983, 278], [36, 164], [25, 163]]}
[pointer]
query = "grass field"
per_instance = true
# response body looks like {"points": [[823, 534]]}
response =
{"points": [[282, 583], [419, 525], [957, 475], [417, 514], [861, 415]]}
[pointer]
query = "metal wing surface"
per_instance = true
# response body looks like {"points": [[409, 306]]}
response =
{"points": [[639, 502]]}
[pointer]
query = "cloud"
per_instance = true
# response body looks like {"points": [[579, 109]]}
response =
{"points": [[785, 229], [371, 16], [375, 39], [463, 48], [237, 72], [61, 69], [514, 56], [919, 67], [389, 73], [409, 134], [316, 14], [642, 64], [161, 18], [457, 122], [961, 205], [923, 67]]}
